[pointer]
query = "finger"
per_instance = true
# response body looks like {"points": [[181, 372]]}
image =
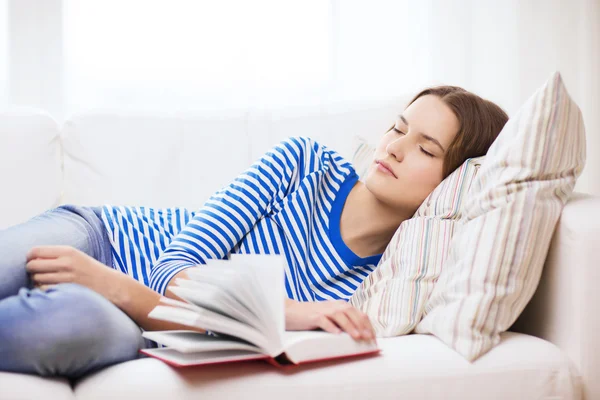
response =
{"points": [[362, 322], [44, 287], [49, 252], [342, 320], [51, 278], [361, 319], [42, 265], [327, 325]]}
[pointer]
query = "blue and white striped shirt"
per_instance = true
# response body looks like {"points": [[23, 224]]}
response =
{"points": [[289, 202]]}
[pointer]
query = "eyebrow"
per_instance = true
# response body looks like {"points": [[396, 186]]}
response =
{"points": [[427, 137]]}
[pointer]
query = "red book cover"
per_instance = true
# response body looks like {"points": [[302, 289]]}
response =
{"points": [[281, 361]]}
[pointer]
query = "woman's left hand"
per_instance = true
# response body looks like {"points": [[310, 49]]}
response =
{"points": [[50, 265]]}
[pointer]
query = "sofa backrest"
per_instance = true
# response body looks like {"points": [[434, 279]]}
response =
{"points": [[157, 160], [30, 164]]}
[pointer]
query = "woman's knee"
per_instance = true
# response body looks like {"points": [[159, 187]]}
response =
{"points": [[87, 315], [58, 226], [67, 330]]}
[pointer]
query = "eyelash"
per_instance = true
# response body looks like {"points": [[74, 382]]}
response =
{"points": [[423, 151]]}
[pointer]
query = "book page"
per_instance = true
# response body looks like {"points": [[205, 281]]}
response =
{"points": [[178, 359], [190, 341], [263, 277], [306, 346], [245, 286], [269, 271], [201, 318], [215, 299], [238, 282]]}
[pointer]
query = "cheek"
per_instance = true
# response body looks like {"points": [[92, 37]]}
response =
{"points": [[383, 142], [424, 176], [380, 150]]}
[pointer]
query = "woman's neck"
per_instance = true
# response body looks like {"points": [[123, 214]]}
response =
{"points": [[366, 224]]}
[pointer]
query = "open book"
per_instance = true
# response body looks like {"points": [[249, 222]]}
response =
{"points": [[242, 302]]}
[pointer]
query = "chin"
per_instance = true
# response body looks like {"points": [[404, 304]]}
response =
{"points": [[394, 194], [382, 189]]}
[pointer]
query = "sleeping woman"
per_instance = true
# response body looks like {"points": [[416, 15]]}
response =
{"points": [[77, 283]]}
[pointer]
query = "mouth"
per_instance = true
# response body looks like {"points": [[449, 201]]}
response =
{"points": [[385, 168]]}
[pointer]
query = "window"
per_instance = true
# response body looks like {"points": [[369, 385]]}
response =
{"points": [[168, 54], [3, 53]]}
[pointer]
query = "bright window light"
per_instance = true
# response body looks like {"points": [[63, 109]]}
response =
{"points": [[165, 54]]}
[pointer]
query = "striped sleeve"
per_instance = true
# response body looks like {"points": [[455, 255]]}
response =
{"points": [[229, 214]]}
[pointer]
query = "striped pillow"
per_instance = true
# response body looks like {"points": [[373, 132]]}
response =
{"points": [[362, 156], [496, 256], [394, 295]]}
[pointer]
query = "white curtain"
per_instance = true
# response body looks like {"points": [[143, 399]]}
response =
{"points": [[68, 55], [3, 54], [184, 53]]}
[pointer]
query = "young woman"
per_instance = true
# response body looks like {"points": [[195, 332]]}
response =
{"points": [[63, 312]]}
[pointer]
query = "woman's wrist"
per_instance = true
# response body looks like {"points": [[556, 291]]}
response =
{"points": [[120, 291], [293, 315]]}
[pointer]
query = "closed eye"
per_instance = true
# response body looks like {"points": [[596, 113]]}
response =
{"points": [[422, 150], [428, 154]]}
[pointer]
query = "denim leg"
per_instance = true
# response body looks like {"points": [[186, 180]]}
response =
{"points": [[67, 330], [75, 226]]}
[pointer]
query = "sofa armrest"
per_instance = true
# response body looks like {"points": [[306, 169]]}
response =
{"points": [[564, 309]]}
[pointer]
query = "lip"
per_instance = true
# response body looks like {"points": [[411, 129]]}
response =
{"points": [[386, 166]]}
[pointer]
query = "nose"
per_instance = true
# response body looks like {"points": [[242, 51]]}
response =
{"points": [[396, 148]]}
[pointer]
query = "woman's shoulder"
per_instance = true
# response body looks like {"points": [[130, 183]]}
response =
{"points": [[310, 156], [303, 146]]}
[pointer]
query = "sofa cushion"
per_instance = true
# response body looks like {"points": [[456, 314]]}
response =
{"points": [[154, 160], [564, 308], [30, 164], [28, 387], [181, 159], [332, 125], [409, 367]]}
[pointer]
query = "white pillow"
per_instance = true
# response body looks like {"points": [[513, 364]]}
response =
{"points": [[362, 156]]}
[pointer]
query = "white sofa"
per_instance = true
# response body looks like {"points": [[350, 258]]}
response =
{"points": [[552, 352]]}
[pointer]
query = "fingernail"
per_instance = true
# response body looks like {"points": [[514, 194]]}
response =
{"points": [[367, 334], [355, 333]]}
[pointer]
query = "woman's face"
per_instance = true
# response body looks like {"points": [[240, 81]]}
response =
{"points": [[414, 151]]}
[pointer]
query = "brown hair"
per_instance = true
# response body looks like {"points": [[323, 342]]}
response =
{"points": [[480, 123]]}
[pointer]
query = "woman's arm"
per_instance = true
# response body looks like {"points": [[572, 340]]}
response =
{"points": [[51, 265], [232, 212], [137, 300]]}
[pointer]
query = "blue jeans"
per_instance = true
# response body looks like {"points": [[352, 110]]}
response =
{"points": [[67, 330]]}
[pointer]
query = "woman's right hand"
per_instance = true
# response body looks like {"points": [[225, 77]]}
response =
{"points": [[331, 315]]}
